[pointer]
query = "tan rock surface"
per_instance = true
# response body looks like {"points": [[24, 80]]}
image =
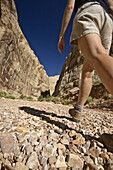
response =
{"points": [[20, 70], [48, 142], [52, 81]]}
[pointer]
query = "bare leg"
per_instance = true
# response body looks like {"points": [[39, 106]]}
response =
{"points": [[91, 47], [86, 83], [95, 57]]}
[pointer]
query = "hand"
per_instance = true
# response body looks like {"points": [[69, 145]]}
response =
{"points": [[61, 44]]}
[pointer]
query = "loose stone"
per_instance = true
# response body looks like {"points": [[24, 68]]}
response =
{"points": [[75, 161], [60, 163], [20, 166], [32, 162]]}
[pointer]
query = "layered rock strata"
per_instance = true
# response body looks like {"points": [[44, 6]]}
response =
{"points": [[71, 71], [52, 82], [20, 69]]}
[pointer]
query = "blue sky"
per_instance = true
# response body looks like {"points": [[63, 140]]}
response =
{"points": [[40, 22]]}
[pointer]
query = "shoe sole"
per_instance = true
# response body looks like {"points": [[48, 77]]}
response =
{"points": [[73, 117]]}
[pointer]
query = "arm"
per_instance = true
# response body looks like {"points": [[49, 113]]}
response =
{"points": [[65, 21], [110, 6]]}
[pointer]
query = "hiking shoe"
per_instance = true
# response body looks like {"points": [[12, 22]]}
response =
{"points": [[108, 141], [75, 115]]}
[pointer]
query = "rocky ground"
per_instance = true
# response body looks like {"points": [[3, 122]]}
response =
{"points": [[42, 136]]}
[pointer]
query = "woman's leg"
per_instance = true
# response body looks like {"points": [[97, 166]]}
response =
{"points": [[92, 49], [86, 82]]}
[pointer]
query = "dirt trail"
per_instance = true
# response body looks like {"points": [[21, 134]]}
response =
{"points": [[45, 132]]}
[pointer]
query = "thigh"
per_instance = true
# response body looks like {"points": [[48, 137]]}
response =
{"points": [[90, 46]]}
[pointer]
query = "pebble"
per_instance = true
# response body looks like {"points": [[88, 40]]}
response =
{"points": [[60, 163], [32, 161], [48, 141], [21, 166], [94, 151], [75, 161]]}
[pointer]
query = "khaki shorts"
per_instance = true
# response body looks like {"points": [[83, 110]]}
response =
{"points": [[92, 18]]}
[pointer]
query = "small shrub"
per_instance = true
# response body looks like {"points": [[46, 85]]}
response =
{"points": [[89, 100], [48, 96], [10, 97], [3, 94], [29, 98], [41, 98], [56, 100], [22, 97], [66, 101], [48, 99]]}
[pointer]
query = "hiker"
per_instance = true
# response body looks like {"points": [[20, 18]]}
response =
{"points": [[92, 32]]}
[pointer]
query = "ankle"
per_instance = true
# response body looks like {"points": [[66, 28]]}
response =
{"points": [[78, 107]]}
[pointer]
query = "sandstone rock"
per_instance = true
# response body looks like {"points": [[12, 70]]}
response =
{"points": [[75, 161], [8, 167], [65, 140], [61, 149], [45, 167], [52, 160], [88, 159], [29, 149], [79, 139], [21, 129], [94, 151], [72, 133], [73, 149], [70, 74], [48, 151], [52, 82], [92, 166], [1, 155], [53, 136], [100, 144], [33, 138], [43, 141], [20, 70], [43, 161], [60, 163], [21, 166], [8, 144], [104, 156], [32, 162]]}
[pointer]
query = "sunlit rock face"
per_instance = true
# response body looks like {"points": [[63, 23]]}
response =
{"points": [[69, 81], [20, 70]]}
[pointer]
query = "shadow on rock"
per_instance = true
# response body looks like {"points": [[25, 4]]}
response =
{"points": [[43, 115]]}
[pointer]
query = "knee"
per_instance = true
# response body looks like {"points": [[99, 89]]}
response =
{"points": [[97, 54]]}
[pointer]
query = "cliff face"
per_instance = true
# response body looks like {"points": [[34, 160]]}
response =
{"points": [[20, 70], [52, 82], [69, 81]]}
